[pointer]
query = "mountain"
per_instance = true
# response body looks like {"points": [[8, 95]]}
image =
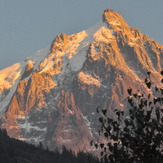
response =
{"points": [[52, 96]]}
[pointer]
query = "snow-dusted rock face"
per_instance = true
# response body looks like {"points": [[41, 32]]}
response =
{"points": [[52, 96]]}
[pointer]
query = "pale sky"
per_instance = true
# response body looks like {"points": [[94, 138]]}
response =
{"points": [[29, 25]]}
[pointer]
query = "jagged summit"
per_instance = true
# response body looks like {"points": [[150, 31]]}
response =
{"points": [[52, 96], [113, 19]]}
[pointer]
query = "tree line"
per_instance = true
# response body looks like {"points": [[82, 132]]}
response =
{"points": [[16, 151]]}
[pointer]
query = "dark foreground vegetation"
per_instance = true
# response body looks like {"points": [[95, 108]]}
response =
{"points": [[15, 151], [135, 136]]}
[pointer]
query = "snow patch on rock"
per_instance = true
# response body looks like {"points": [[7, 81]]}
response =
{"points": [[103, 34], [8, 76], [28, 127], [88, 124], [75, 43]]}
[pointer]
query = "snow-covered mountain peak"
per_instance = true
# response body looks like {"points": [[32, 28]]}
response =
{"points": [[52, 96]]}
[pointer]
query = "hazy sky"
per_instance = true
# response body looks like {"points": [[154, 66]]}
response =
{"points": [[29, 25]]}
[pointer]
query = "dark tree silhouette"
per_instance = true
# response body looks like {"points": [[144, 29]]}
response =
{"points": [[16, 151], [138, 136]]}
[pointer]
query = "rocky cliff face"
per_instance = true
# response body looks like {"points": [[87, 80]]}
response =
{"points": [[52, 96]]}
